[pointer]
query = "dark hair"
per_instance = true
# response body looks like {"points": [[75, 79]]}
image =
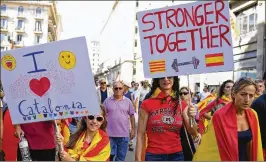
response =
{"points": [[264, 75], [221, 89], [155, 85], [82, 126]]}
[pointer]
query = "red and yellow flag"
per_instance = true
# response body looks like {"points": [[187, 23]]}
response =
{"points": [[220, 142], [216, 59], [157, 66]]}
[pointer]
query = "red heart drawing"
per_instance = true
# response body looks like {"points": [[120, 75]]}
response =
{"points": [[40, 87], [9, 64]]}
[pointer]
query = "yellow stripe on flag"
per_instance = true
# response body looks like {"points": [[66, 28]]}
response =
{"points": [[214, 59], [157, 66]]}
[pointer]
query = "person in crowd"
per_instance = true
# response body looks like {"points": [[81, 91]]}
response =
{"points": [[145, 89], [41, 139], [196, 98], [184, 95], [127, 92], [259, 105], [89, 142], [136, 96], [131, 89], [213, 92], [223, 97], [118, 108], [260, 87], [104, 91], [234, 133], [163, 116], [204, 94]]}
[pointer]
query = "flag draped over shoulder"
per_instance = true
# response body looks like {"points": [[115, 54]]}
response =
{"points": [[220, 142], [98, 150]]}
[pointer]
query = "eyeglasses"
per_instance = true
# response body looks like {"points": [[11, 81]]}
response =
{"points": [[166, 78], [183, 93], [118, 88], [98, 118], [103, 83]]}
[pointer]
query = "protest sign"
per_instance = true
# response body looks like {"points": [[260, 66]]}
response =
{"points": [[185, 39], [49, 81]]}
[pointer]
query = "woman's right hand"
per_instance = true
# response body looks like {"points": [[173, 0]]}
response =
{"points": [[59, 138], [18, 131], [192, 111]]}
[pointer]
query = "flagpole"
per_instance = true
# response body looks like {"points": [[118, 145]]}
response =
{"points": [[191, 120]]}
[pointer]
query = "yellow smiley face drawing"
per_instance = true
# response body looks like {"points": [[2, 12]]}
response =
{"points": [[8, 62], [67, 60]]}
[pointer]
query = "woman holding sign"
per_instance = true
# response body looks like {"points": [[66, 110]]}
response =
{"points": [[233, 134], [89, 142], [163, 117]]}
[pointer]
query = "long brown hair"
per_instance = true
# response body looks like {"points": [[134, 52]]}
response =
{"points": [[82, 126]]}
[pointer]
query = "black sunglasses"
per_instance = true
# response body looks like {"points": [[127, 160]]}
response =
{"points": [[166, 78], [103, 83], [98, 118], [118, 88], [183, 93]]}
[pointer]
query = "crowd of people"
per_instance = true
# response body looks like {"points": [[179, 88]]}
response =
{"points": [[169, 123]]}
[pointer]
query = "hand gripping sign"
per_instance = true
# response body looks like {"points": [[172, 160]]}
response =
{"points": [[46, 82]]}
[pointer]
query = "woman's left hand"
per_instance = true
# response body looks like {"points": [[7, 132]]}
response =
{"points": [[192, 111], [65, 156]]}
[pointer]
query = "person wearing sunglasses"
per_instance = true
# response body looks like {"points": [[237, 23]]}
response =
{"points": [[119, 108], [234, 132], [103, 91], [223, 98], [164, 118], [89, 142], [259, 105]]}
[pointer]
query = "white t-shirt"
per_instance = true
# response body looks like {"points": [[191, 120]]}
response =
{"points": [[203, 95], [143, 93], [136, 94]]}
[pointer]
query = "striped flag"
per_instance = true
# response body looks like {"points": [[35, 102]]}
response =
{"points": [[216, 59], [157, 66]]}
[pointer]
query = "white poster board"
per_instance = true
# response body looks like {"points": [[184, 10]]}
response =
{"points": [[49, 81], [185, 39]]}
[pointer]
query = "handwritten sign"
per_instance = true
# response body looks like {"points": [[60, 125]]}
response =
{"points": [[186, 39], [49, 81]]}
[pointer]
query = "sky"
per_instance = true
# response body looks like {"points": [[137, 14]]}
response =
{"points": [[83, 18]]}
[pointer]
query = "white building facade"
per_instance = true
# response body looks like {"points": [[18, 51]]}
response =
{"points": [[94, 52], [27, 23]]}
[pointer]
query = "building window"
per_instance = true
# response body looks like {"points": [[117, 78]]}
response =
{"points": [[3, 23], [19, 38], [136, 43], [38, 39], [20, 10], [3, 8], [38, 11], [246, 20], [20, 24], [136, 30], [38, 26], [137, 3], [3, 37]]}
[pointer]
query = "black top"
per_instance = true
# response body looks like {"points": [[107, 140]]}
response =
{"points": [[244, 138], [259, 105]]}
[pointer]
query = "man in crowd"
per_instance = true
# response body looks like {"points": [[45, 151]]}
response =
{"points": [[103, 92], [144, 91], [132, 86], [259, 105], [119, 108], [205, 93], [260, 88]]}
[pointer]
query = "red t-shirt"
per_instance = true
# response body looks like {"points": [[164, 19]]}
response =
{"points": [[40, 135], [163, 127]]}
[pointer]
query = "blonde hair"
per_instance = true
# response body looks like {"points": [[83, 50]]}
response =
{"points": [[241, 84]]}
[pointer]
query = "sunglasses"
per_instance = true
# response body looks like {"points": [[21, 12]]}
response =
{"points": [[103, 83], [98, 118], [118, 88], [183, 93], [166, 78]]}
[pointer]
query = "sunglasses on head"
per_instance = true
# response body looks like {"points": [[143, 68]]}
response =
{"points": [[103, 83], [118, 88], [183, 93], [98, 118]]}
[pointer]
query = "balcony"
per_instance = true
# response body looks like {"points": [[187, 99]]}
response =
{"points": [[21, 15], [4, 28], [20, 29], [4, 14], [19, 44], [38, 16], [51, 29], [37, 31]]}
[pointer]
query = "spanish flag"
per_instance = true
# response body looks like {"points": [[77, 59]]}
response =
{"points": [[157, 66], [98, 150], [220, 142], [216, 59]]}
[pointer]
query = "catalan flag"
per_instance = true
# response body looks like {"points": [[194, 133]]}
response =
{"points": [[216, 59], [220, 142], [157, 66]]}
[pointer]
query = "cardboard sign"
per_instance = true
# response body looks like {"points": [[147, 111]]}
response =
{"points": [[186, 39], [49, 81]]}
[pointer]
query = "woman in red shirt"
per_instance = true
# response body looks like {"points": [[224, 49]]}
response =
{"points": [[162, 116]]}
